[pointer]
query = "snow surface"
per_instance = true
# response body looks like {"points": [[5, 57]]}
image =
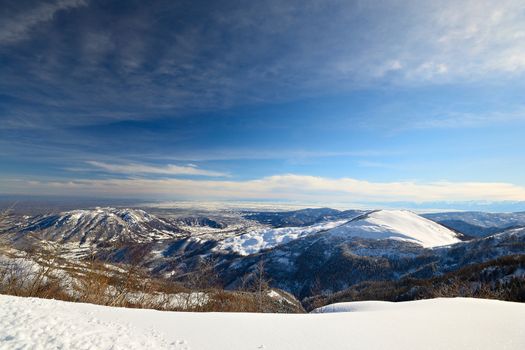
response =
{"points": [[29, 323], [254, 241], [398, 224]]}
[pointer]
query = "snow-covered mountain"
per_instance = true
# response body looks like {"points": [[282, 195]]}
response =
{"points": [[98, 225], [337, 251], [302, 217], [401, 225], [257, 240], [378, 246], [478, 224]]}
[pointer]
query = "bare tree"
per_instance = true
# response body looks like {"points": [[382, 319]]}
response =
{"points": [[261, 285]]}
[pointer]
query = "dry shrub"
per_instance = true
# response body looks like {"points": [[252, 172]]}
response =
{"points": [[44, 273], [22, 277], [223, 301]]}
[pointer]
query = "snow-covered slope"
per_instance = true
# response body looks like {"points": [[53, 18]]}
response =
{"points": [[357, 306], [397, 224], [380, 224], [256, 240], [28, 323], [99, 224]]}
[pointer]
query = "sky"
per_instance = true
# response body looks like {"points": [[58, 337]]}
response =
{"points": [[395, 103]]}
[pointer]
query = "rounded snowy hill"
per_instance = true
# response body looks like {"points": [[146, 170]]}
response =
{"points": [[401, 225]]}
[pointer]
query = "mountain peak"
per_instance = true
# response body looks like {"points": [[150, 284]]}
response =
{"points": [[101, 224], [402, 225]]}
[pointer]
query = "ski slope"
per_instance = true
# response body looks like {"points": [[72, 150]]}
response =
{"points": [[398, 224], [28, 323]]}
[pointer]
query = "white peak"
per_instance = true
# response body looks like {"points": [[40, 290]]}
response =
{"points": [[398, 224], [122, 216]]}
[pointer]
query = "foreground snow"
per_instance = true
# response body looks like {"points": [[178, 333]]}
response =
{"points": [[28, 323]]}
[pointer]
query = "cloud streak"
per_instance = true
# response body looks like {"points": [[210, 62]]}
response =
{"points": [[466, 120], [170, 169], [287, 187]]}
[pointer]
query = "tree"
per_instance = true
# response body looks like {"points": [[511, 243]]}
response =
{"points": [[261, 285]]}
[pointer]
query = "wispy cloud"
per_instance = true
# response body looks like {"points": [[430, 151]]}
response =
{"points": [[278, 187], [466, 120], [273, 53], [134, 168], [454, 41], [16, 27], [271, 154]]}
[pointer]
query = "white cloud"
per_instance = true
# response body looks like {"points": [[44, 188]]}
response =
{"points": [[135, 168], [470, 40], [279, 187], [427, 42]]}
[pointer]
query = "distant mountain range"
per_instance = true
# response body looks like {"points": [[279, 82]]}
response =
{"points": [[479, 224]]}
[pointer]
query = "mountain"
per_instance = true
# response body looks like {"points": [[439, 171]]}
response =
{"points": [[478, 224], [199, 221], [96, 226], [302, 217], [502, 278], [377, 246], [340, 250], [400, 225], [266, 238]]}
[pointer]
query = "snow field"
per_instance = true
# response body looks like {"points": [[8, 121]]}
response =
{"points": [[28, 323], [254, 241]]}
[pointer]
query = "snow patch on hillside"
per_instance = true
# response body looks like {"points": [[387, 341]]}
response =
{"points": [[461, 323], [257, 240]]}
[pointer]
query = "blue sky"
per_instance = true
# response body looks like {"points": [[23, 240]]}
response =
{"points": [[328, 102]]}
